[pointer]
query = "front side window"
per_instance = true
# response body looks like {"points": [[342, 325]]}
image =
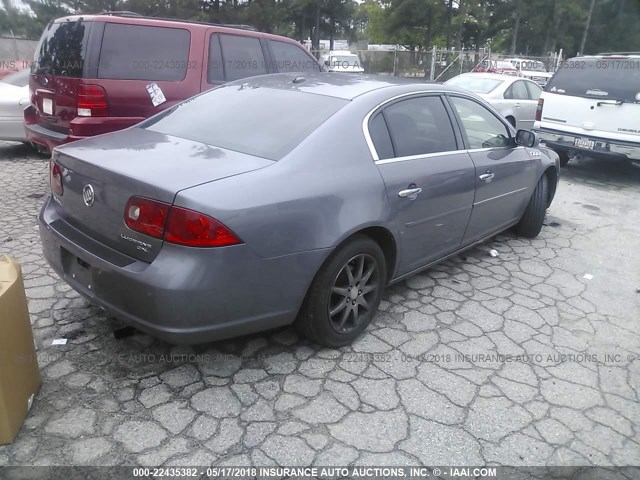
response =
{"points": [[137, 52], [419, 126], [291, 58], [242, 57], [482, 128]]}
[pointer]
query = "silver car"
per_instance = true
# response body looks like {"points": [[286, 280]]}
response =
{"points": [[286, 198], [14, 98], [515, 98]]}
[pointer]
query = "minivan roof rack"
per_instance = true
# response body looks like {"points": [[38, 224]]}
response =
{"points": [[121, 13], [124, 13]]}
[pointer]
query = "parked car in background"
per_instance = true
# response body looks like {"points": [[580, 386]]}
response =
{"points": [[592, 107], [14, 98], [515, 98], [95, 74], [532, 70], [496, 66], [342, 61], [503, 67], [193, 230]]}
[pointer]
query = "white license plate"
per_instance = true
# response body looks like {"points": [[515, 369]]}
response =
{"points": [[47, 106], [584, 143]]}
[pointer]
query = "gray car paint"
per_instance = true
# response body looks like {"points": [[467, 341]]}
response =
{"points": [[290, 214]]}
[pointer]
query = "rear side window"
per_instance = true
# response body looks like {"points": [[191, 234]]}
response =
{"points": [[291, 58], [258, 121], [602, 79], [420, 126], [62, 49], [517, 91], [242, 57], [380, 137], [534, 90], [136, 52]]}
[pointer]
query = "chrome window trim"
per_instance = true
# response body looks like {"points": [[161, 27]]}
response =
{"points": [[417, 157], [372, 148]]}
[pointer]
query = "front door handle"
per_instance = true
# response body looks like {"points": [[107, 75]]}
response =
{"points": [[410, 193], [487, 177]]}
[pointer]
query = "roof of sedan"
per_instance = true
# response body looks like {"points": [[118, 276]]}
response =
{"points": [[341, 85]]}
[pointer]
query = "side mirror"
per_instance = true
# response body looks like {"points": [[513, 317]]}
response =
{"points": [[326, 62], [526, 138]]}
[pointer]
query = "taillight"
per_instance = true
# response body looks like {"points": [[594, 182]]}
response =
{"points": [[92, 101], [539, 109], [55, 178], [186, 227], [176, 224], [146, 216]]}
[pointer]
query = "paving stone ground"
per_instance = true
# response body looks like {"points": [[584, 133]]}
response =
{"points": [[429, 382]]}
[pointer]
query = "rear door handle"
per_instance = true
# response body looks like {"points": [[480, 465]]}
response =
{"points": [[410, 193], [487, 177]]}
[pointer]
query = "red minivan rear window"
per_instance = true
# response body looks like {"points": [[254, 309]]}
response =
{"points": [[62, 49]]}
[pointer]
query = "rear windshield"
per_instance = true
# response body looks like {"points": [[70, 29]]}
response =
{"points": [[475, 83], [258, 121], [62, 49], [613, 79]]}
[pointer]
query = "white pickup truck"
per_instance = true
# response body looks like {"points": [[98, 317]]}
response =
{"points": [[592, 107]]}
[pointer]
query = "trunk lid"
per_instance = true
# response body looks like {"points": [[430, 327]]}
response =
{"points": [[136, 162], [596, 97]]}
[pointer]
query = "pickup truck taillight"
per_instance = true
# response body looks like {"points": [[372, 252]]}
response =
{"points": [[539, 109]]}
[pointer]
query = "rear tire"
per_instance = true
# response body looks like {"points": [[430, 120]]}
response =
{"points": [[564, 157], [345, 294], [531, 222], [512, 121]]}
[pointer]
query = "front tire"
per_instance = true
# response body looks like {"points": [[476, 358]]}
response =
{"points": [[345, 294], [531, 222]]}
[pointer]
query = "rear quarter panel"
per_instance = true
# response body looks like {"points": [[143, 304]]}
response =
{"points": [[323, 191]]}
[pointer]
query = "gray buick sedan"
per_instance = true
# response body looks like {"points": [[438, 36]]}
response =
{"points": [[286, 198]]}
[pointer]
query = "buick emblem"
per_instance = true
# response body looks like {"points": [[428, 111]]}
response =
{"points": [[88, 195]]}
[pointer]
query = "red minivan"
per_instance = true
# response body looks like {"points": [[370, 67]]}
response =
{"points": [[94, 74]]}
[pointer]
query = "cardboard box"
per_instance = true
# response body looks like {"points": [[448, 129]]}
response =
{"points": [[19, 372]]}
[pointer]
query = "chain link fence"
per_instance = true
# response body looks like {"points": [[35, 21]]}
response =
{"points": [[437, 65]]}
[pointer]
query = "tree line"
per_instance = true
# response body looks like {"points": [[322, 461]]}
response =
{"points": [[527, 27]]}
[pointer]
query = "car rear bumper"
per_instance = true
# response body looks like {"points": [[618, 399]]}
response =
{"points": [[186, 295], [603, 147], [79, 128], [12, 129]]}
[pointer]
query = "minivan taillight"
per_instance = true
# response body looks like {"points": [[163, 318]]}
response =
{"points": [[55, 178], [539, 109], [176, 224], [92, 101]]}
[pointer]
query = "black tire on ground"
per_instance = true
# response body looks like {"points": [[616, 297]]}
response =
{"points": [[512, 121], [564, 157], [531, 222], [345, 269]]}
